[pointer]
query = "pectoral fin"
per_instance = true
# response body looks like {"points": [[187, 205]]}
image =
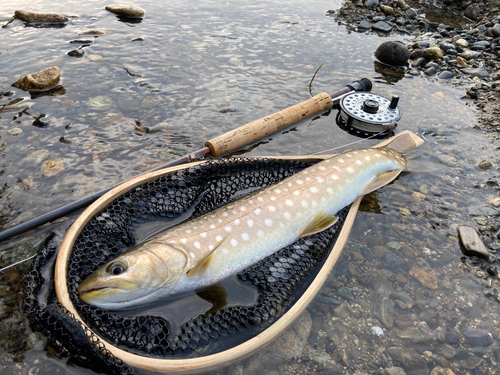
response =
{"points": [[216, 295], [319, 223], [381, 180], [199, 268]]}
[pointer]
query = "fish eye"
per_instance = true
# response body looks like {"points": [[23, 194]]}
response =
{"points": [[116, 268]]}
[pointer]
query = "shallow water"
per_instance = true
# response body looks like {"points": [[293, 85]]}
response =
{"points": [[203, 68]]}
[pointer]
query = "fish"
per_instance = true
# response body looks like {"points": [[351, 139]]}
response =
{"points": [[203, 251]]}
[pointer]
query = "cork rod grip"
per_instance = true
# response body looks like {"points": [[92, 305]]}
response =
{"points": [[267, 125]]}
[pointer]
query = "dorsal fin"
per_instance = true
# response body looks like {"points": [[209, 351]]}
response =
{"points": [[201, 266], [319, 223], [381, 180]]}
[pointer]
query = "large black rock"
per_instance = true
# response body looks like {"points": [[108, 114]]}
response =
{"points": [[392, 53]]}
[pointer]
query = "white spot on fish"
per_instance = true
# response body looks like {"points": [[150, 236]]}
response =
{"points": [[296, 192], [260, 199], [350, 169], [271, 208], [268, 222], [212, 226], [359, 162], [277, 191], [355, 152], [314, 204], [218, 238], [234, 242], [289, 202], [193, 255], [225, 214], [234, 212], [250, 223], [243, 208], [378, 155], [237, 222], [341, 160], [245, 237], [313, 189], [228, 229], [220, 221], [329, 190], [348, 155], [304, 204], [257, 211], [251, 201], [188, 231], [383, 152], [321, 168], [334, 177], [260, 234], [364, 150], [204, 235], [183, 240], [273, 198], [319, 179], [288, 216], [336, 168], [367, 158], [300, 182], [308, 179], [197, 244], [289, 184], [224, 251]]}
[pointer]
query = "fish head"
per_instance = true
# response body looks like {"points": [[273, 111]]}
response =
{"points": [[134, 277]]}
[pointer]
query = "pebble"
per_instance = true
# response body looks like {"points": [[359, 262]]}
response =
{"points": [[100, 103], [382, 26], [476, 72], [93, 32], [471, 243], [446, 75], [425, 276], [412, 362], [377, 331], [93, 57], [126, 10], [364, 25], [484, 164], [51, 168], [478, 337], [15, 131]]}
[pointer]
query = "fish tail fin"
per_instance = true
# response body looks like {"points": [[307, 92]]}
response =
{"points": [[403, 144]]}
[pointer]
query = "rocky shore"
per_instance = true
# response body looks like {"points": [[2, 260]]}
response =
{"points": [[464, 48]]}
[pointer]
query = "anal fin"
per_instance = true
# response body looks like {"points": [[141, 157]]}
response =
{"points": [[216, 295], [319, 223]]}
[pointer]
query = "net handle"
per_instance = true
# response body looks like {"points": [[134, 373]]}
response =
{"points": [[267, 125]]}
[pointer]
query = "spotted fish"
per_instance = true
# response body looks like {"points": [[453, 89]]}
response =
{"points": [[210, 248]]}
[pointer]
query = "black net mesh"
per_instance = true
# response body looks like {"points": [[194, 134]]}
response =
{"points": [[186, 194]]}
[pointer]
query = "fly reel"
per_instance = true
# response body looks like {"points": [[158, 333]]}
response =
{"points": [[364, 114]]}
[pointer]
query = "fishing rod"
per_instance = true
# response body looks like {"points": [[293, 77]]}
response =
{"points": [[215, 147]]}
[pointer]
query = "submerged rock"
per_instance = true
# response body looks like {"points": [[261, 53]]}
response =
{"points": [[93, 32], [472, 245], [412, 362], [44, 79], [52, 167], [31, 17], [125, 10], [392, 53]]}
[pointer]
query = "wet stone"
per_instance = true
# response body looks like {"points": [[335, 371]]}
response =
{"points": [[345, 293], [43, 79], [396, 371], [412, 362], [382, 26], [93, 32], [471, 243], [364, 25], [402, 322], [31, 17], [125, 10], [100, 103], [448, 160], [476, 72], [446, 75], [471, 363], [482, 210]]}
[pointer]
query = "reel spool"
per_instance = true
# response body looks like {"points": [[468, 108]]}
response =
{"points": [[364, 114]]}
